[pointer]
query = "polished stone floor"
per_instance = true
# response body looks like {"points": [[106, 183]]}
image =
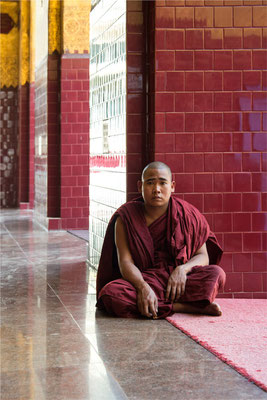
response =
{"points": [[54, 345]]}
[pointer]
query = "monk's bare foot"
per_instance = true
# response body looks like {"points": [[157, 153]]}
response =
{"points": [[212, 309]]}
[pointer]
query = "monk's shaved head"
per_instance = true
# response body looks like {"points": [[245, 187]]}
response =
{"points": [[156, 165]]}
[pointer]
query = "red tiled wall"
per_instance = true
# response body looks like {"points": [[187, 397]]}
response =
{"points": [[210, 123], [24, 143], [53, 136], [32, 150], [9, 147], [74, 141]]}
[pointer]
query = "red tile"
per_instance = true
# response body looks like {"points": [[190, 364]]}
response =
{"points": [[183, 101], [160, 39], [213, 38], [232, 122], [164, 102], [194, 122], [242, 182], [165, 60], [222, 182], [259, 222], [222, 142], [213, 122], [241, 141], [175, 39], [213, 202], [259, 262], [174, 122], [203, 59], [264, 122], [184, 17], [184, 183], [202, 101], [259, 59], [212, 162], [135, 103], [252, 121], [242, 262], [242, 101], [165, 17], [203, 183], [232, 162], [184, 60], [232, 202], [160, 125], [233, 242], [264, 241], [184, 142], [175, 81], [223, 222], [134, 123], [135, 82], [234, 282], [194, 81], [252, 282], [194, 39], [164, 143], [232, 38], [242, 59], [213, 80], [196, 199], [175, 162], [194, 162], [259, 101], [222, 101], [251, 80], [203, 17], [232, 80], [251, 161], [242, 222], [264, 201], [252, 38], [259, 182], [160, 81], [223, 59], [202, 142], [134, 42], [251, 202]]}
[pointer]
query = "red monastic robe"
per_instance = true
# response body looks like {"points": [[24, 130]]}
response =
{"points": [[171, 240]]}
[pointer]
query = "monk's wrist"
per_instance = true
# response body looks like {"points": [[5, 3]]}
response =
{"points": [[139, 286]]}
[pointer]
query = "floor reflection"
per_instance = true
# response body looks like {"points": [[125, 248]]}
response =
{"points": [[56, 345]]}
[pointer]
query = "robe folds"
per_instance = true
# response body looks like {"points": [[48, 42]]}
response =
{"points": [[157, 249]]}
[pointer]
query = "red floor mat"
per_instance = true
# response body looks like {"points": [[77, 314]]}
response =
{"points": [[238, 337]]}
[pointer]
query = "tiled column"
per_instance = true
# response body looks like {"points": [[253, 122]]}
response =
{"points": [[210, 125], [24, 105], [75, 141], [74, 195]]}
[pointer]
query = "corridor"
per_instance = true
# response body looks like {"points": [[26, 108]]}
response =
{"points": [[56, 346]]}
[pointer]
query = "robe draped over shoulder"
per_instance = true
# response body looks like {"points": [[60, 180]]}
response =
{"points": [[186, 231]]}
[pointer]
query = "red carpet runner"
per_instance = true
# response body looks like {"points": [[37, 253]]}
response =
{"points": [[238, 337]]}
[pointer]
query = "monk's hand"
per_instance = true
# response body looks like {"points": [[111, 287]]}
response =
{"points": [[147, 301], [176, 284]]}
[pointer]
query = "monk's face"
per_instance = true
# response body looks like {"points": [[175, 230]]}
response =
{"points": [[156, 187]]}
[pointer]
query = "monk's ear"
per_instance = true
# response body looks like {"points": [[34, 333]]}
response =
{"points": [[173, 184], [139, 186]]}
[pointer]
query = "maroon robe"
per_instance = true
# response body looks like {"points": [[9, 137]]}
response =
{"points": [[171, 240]]}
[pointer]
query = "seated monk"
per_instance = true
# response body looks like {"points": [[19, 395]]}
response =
{"points": [[159, 255]]}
